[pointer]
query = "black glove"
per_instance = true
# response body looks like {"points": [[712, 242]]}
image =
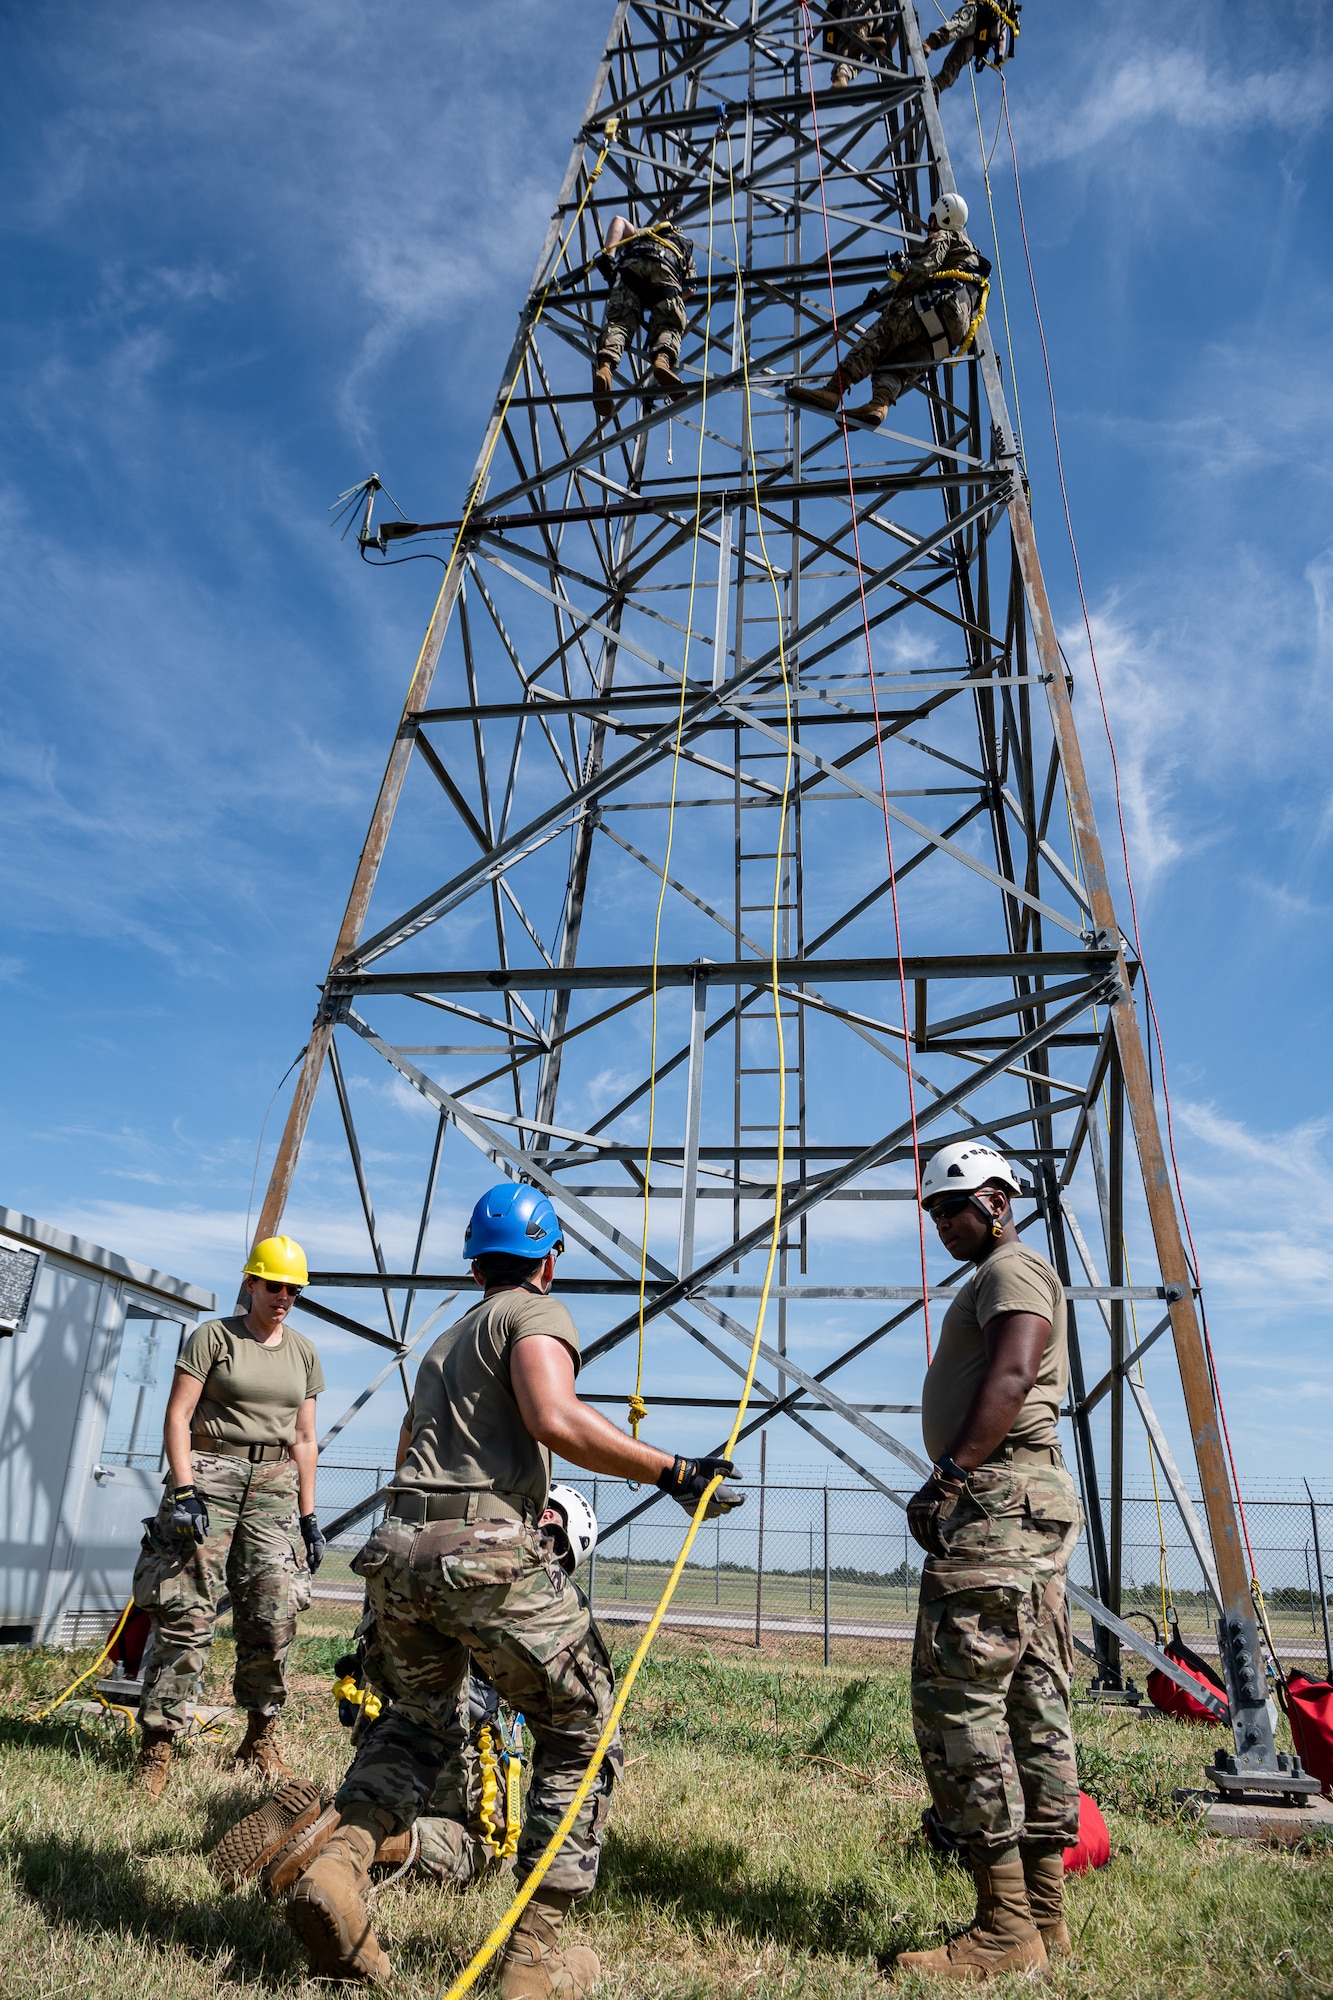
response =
{"points": [[686, 1479], [928, 1510], [189, 1516], [606, 264], [314, 1541]]}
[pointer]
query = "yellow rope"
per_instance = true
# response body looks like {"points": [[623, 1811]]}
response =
{"points": [[468, 1978], [609, 131], [638, 1409], [120, 1626], [999, 270]]}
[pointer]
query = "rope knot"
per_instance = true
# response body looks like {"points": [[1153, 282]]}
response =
{"points": [[638, 1410]]}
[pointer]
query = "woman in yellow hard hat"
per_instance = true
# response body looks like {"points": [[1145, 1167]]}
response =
{"points": [[237, 1514]]}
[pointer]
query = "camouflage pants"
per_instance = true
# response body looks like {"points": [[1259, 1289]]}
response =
{"points": [[992, 1660], [253, 1550], [624, 316], [959, 56], [488, 1588], [898, 350]]}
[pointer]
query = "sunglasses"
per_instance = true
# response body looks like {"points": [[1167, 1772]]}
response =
{"points": [[952, 1204], [276, 1285]]}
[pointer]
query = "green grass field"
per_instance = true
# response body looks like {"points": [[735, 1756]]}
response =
{"points": [[764, 1842]]}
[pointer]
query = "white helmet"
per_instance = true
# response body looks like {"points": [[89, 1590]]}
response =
{"points": [[964, 1167], [575, 1534], [950, 212]]}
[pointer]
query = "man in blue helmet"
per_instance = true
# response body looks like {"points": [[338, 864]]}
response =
{"points": [[458, 1568]]}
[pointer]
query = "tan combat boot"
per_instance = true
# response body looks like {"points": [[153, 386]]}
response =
{"points": [[252, 1843], [299, 1850], [665, 376], [259, 1746], [602, 401], [826, 399], [150, 1772], [1002, 1938], [534, 1967], [1044, 1873], [328, 1905], [870, 415]]}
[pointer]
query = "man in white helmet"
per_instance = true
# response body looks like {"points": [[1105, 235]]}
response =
{"points": [[999, 1519], [936, 291]]}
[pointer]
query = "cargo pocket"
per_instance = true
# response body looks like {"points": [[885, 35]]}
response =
{"points": [[970, 1749], [157, 1575], [299, 1580], [477, 1555]]}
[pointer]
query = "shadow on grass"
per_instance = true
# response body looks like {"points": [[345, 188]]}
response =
{"points": [[88, 1886], [711, 1886]]}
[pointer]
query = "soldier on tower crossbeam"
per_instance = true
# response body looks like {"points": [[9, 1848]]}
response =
{"points": [[854, 34], [999, 1519], [938, 294], [980, 31], [651, 271]]}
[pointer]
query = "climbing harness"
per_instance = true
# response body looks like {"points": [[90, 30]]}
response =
{"points": [[925, 309], [998, 32]]}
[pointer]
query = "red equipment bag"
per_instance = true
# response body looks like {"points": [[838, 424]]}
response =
{"points": [[1309, 1706], [1172, 1700], [1092, 1849], [133, 1638]]}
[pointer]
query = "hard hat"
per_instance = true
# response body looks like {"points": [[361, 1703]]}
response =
{"points": [[516, 1219], [963, 1168], [579, 1538], [278, 1257], [950, 212]]}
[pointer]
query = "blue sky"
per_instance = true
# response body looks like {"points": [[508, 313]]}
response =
{"points": [[253, 255]]}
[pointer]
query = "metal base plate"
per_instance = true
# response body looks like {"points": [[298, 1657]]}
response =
{"points": [[1262, 1784]]}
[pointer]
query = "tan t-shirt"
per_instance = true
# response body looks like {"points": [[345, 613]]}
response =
{"points": [[463, 1420], [1012, 1279], [251, 1393]]}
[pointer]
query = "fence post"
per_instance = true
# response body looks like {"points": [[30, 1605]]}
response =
{"points": [[717, 1561], [592, 1559], [628, 1532], [759, 1565], [1319, 1572], [810, 1567], [825, 1573]]}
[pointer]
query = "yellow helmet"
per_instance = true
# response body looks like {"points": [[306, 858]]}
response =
{"points": [[278, 1257]]}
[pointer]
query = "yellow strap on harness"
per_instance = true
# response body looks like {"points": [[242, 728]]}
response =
{"points": [[499, 1837]]}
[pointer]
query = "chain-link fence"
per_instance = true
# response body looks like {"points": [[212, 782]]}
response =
{"points": [[838, 1559]]}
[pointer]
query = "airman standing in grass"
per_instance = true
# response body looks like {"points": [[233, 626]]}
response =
{"points": [[238, 1515], [458, 1569], [999, 1519]]}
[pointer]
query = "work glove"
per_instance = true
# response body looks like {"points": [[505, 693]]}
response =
{"points": [[314, 1541], [929, 1510], [606, 264], [686, 1480], [189, 1515]]}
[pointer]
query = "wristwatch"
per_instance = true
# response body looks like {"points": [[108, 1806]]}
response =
{"points": [[951, 1469]]}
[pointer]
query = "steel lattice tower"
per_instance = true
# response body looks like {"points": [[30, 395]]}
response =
{"points": [[612, 587]]}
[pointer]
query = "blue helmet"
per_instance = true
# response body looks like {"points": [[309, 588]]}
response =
{"points": [[516, 1219]]}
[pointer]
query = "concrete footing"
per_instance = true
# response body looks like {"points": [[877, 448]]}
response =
{"points": [[1257, 1818]]}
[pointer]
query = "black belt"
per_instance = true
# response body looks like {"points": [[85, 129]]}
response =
{"points": [[258, 1454], [468, 1505]]}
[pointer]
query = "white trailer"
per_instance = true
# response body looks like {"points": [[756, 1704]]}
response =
{"points": [[88, 1341]]}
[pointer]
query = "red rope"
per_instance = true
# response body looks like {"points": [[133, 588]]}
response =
{"points": [[874, 698], [1124, 838]]}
